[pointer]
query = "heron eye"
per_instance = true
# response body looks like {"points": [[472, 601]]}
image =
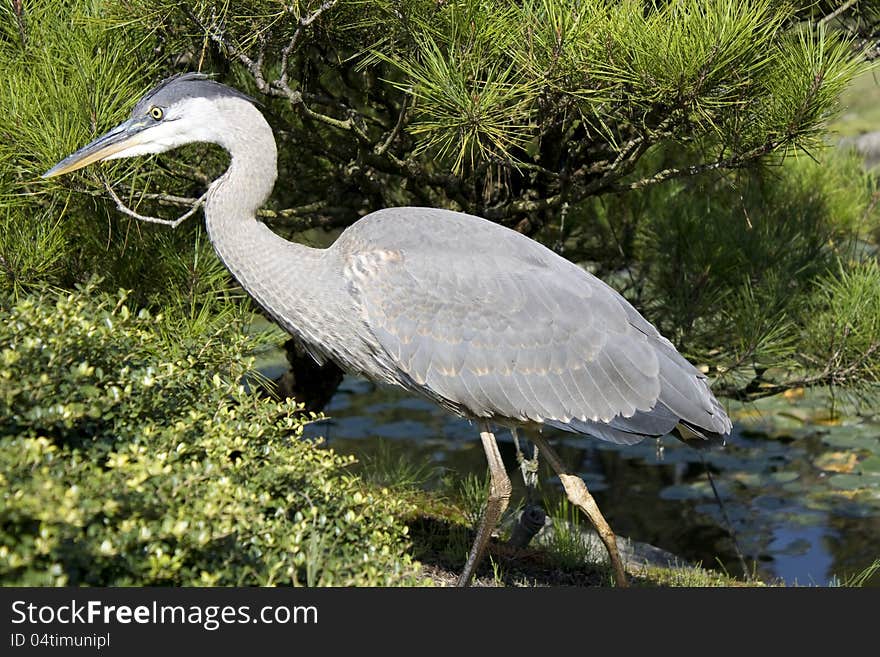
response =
{"points": [[157, 113]]}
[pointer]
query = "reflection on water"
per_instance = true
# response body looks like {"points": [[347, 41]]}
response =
{"points": [[799, 514]]}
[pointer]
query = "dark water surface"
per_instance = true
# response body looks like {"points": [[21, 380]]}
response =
{"points": [[803, 498]]}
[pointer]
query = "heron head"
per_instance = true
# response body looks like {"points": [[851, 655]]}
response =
{"points": [[184, 108]]}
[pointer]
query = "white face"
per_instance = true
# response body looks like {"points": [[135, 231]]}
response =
{"points": [[159, 129], [190, 120]]}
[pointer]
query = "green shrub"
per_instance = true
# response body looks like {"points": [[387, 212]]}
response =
{"points": [[131, 452]]}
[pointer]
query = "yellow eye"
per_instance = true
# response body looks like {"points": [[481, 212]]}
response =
{"points": [[157, 113]]}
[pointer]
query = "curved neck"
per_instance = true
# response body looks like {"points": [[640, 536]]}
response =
{"points": [[243, 189], [280, 275]]}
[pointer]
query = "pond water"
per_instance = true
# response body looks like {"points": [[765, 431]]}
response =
{"points": [[801, 492]]}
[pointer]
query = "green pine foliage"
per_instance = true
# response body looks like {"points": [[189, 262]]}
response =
{"points": [[133, 454], [843, 324], [511, 109], [732, 74], [730, 268], [774, 231], [66, 74]]}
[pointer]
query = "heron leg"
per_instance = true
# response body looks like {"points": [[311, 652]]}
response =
{"points": [[499, 495], [577, 493]]}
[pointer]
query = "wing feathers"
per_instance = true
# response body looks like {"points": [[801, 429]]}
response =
{"points": [[521, 334]]}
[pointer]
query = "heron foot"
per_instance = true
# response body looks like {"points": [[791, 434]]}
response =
{"points": [[577, 493], [528, 467]]}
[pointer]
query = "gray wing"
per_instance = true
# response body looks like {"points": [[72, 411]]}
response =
{"points": [[494, 325]]}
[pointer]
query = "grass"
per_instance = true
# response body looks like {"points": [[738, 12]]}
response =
{"points": [[690, 577], [472, 493], [566, 543], [389, 467], [860, 579]]}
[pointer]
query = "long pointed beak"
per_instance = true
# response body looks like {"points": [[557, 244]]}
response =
{"points": [[123, 136]]}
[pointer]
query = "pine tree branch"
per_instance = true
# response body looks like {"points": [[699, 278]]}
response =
{"points": [[278, 87], [846, 6], [298, 218], [733, 162], [313, 215], [383, 148], [303, 23], [173, 223], [832, 374]]}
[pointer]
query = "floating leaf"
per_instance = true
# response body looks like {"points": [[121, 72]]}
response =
{"points": [[783, 477], [684, 492], [870, 466], [794, 393], [793, 487], [748, 479], [842, 462], [848, 481], [851, 440], [798, 414]]}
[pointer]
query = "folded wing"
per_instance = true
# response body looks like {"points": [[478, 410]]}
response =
{"points": [[494, 325]]}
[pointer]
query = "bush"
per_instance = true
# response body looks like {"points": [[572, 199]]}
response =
{"points": [[133, 453]]}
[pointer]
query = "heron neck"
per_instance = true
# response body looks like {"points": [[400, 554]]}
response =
{"points": [[280, 275]]}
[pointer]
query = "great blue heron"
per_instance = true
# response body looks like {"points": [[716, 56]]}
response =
{"points": [[479, 318]]}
